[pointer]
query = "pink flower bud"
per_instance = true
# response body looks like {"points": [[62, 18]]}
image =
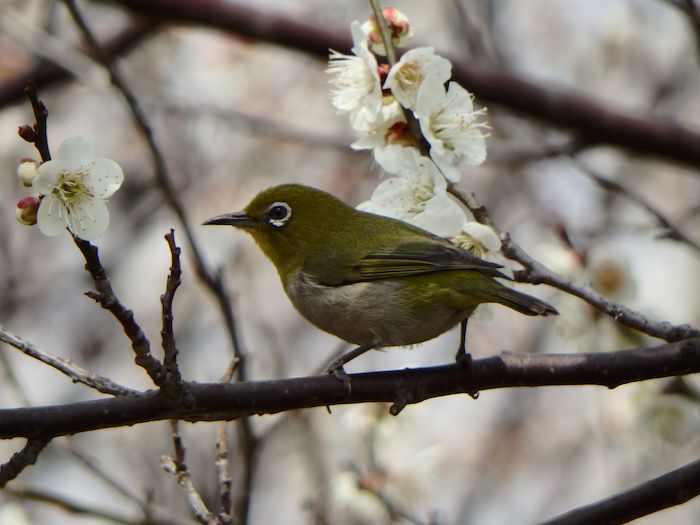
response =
{"points": [[27, 133], [398, 22], [27, 209]]}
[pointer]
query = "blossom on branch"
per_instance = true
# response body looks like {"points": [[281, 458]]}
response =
{"points": [[75, 185], [451, 126], [417, 195], [357, 90], [407, 75]]}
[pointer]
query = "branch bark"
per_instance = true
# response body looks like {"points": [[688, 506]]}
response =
{"points": [[215, 401]]}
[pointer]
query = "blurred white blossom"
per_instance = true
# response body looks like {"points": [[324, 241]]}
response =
{"points": [[75, 185]]}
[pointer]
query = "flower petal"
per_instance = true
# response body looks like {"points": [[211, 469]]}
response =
{"points": [[441, 216], [89, 220], [50, 216], [74, 153], [104, 178], [47, 176]]}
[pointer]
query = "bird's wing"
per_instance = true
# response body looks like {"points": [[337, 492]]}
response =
{"points": [[416, 257]]}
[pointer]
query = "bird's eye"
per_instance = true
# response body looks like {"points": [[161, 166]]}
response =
{"points": [[278, 214]]}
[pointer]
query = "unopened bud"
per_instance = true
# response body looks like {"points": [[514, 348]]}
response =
{"points": [[399, 29], [27, 133], [399, 134], [27, 171], [27, 209], [398, 22]]}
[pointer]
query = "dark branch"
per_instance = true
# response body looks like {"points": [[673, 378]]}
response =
{"points": [[214, 401], [173, 381], [22, 459], [673, 488], [107, 299]]}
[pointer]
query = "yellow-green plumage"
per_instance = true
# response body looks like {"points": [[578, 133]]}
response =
{"points": [[368, 279]]}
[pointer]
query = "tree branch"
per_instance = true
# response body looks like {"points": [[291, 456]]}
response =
{"points": [[668, 490], [591, 121], [215, 401], [76, 373]]}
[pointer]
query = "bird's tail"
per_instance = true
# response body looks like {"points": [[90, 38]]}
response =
{"points": [[523, 303]]}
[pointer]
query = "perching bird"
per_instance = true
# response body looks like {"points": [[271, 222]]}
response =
{"points": [[370, 280]]}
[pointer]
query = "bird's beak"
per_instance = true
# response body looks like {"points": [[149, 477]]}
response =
{"points": [[238, 219]]}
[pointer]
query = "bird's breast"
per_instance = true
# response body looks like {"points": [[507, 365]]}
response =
{"points": [[383, 312]]}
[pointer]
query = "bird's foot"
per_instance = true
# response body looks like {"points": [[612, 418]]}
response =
{"points": [[337, 371], [463, 358]]}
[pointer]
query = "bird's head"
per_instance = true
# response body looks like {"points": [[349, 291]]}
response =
{"points": [[289, 222]]}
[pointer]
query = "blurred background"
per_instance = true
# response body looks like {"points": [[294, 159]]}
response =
{"points": [[234, 115]]}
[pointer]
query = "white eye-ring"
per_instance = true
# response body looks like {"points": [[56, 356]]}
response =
{"points": [[278, 214]]}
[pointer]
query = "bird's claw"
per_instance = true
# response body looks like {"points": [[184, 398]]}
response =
{"points": [[463, 359], [337, 371]]}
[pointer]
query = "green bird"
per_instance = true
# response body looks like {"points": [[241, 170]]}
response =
{"points": [[370, 280]]}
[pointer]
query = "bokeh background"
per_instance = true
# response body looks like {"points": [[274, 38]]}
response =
{"points": [[234, 116]]}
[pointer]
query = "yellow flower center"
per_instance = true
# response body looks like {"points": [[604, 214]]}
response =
{"points": [[71, 188]]}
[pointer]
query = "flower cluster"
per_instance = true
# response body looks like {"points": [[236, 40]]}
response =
{"points": [[380, 100], [73, 189]]}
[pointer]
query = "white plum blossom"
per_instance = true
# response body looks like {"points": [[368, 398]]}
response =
{"points": [[479, 239], [376, 137], [75, 185], [451, 126], [407, 75], [356, 90], [418, 195]]}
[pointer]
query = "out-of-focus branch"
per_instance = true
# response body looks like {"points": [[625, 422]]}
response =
{"points": [[177, 467], [71, 507], [671, 231], [66, 366], [216, 401], [45, 73], [591, 121], [668, 490]]}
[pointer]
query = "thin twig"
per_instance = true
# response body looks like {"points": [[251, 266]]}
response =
{"points": [[223, 466], [177, 467], [173, 381], [40, 114], [537, 273], [76, 373], [108, 300], [213, 280], [22, 459]]}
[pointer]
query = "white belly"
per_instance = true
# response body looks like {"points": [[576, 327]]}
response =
{"points": [[375, 312]]}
